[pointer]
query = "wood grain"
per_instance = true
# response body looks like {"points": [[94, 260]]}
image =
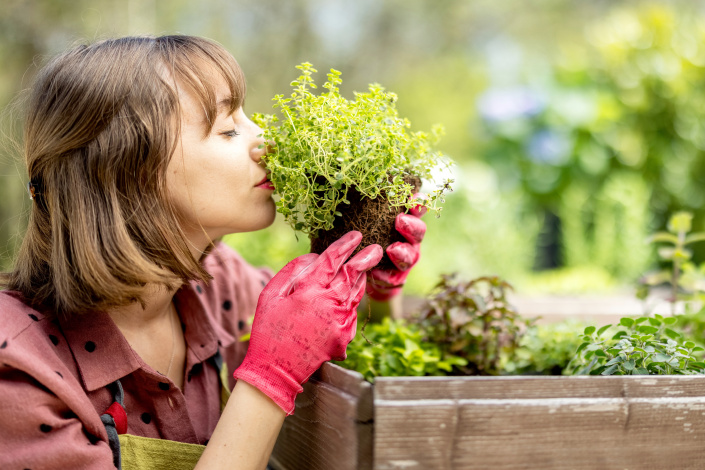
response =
{"points": [[540, 423], [524, 422], [331, 427]]}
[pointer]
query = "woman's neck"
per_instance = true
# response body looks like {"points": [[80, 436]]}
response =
{"points": [[154, 333]]}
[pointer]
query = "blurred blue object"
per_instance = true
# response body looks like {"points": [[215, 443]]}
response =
{"points": [[551, 147], [505, 104]]}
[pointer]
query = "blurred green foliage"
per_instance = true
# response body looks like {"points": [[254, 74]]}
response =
{"points": [[582, 112], [610, 137]]}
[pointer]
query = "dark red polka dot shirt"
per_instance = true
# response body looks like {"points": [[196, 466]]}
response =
{"points": [[54, 374]]}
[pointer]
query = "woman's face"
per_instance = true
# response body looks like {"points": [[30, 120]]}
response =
{"points": [[218, 183]]}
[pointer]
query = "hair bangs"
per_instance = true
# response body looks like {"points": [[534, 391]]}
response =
{"points": [[194, 64]]}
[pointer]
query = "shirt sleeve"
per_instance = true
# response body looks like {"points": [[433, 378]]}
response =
{"points": [[39, 431]]}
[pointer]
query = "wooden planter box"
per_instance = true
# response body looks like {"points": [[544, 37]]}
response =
{"points": [[343, 422]]}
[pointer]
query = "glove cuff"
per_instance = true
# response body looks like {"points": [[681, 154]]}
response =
{"points": [[383, 294], [271, 381]]}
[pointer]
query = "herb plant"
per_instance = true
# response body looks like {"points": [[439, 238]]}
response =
{"points": [[397, 348], [325, 145], [642, 346], [473, 320], [545, 349], [685, 280]]}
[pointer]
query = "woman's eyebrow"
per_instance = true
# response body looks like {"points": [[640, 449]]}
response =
{"points": [[224, 104]]}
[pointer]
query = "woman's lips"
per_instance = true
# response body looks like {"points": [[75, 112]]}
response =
{"points": [[265, 183]]}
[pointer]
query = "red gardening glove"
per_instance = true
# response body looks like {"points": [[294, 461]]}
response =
{"points": [[306, 315], [383, 284]]}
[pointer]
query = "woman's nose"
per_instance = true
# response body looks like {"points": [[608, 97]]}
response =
{"points": [[261, 148]]}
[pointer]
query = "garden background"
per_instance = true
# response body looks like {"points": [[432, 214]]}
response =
{"points": [[576, 127]]}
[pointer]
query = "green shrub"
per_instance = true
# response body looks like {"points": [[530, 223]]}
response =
{"points": [[473, 320], [642, 346], [545, 349], [396, 348]]}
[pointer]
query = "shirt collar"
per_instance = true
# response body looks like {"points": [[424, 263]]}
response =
{"points": [[103, 355]]}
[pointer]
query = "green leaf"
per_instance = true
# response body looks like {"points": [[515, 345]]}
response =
{"points": [[602, 330], [680, 222], [689, 344], [698, 349], [695, 237], [619, 335], [628, 365], [671, 334], [581, 347], [589, 330], [616, 360], [626, 321], [660, 357], [640, 371], [663, 237], [670, 320], [654, 322], [610, 370], [649, 330]]}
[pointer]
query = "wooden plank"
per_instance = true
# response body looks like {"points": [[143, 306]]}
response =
{"points": [[568, 433], [459, 388], [331, 426], [350, 382]]}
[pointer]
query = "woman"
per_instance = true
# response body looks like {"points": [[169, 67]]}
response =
{"points": [[120, 323]]}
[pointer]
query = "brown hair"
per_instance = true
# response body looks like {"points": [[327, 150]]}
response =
{"points": [[102, 123]]}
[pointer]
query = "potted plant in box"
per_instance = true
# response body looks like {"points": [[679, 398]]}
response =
{"points": [[339, 165]]}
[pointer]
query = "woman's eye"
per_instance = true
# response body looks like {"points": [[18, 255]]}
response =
{"points": [[231, 133]]}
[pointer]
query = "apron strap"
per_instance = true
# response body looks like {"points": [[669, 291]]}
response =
{"points": [[115, 421]]}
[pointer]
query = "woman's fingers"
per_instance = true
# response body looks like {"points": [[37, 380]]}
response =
{"points": [[418, 211], [285, 279], [330, 261], [349, 275], [403, 255], [412, 228]]}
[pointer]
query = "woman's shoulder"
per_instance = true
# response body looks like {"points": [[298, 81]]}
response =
{"points": [[225, 260], [22, 324], [36, 366], [34, 343]]}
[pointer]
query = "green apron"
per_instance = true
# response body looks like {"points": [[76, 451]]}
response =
{"points": [[145, 453]]}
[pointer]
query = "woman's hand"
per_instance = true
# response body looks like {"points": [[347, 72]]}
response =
{"points": [[383, 284], [305, 316]]}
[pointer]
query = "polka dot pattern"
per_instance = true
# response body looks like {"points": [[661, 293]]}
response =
{"points": [[54, 340], [227, 305], [90, 346], [45, 428], [146, 418]]}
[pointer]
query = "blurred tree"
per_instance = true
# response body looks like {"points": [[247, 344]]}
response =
{"points": [[620, 109]]}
